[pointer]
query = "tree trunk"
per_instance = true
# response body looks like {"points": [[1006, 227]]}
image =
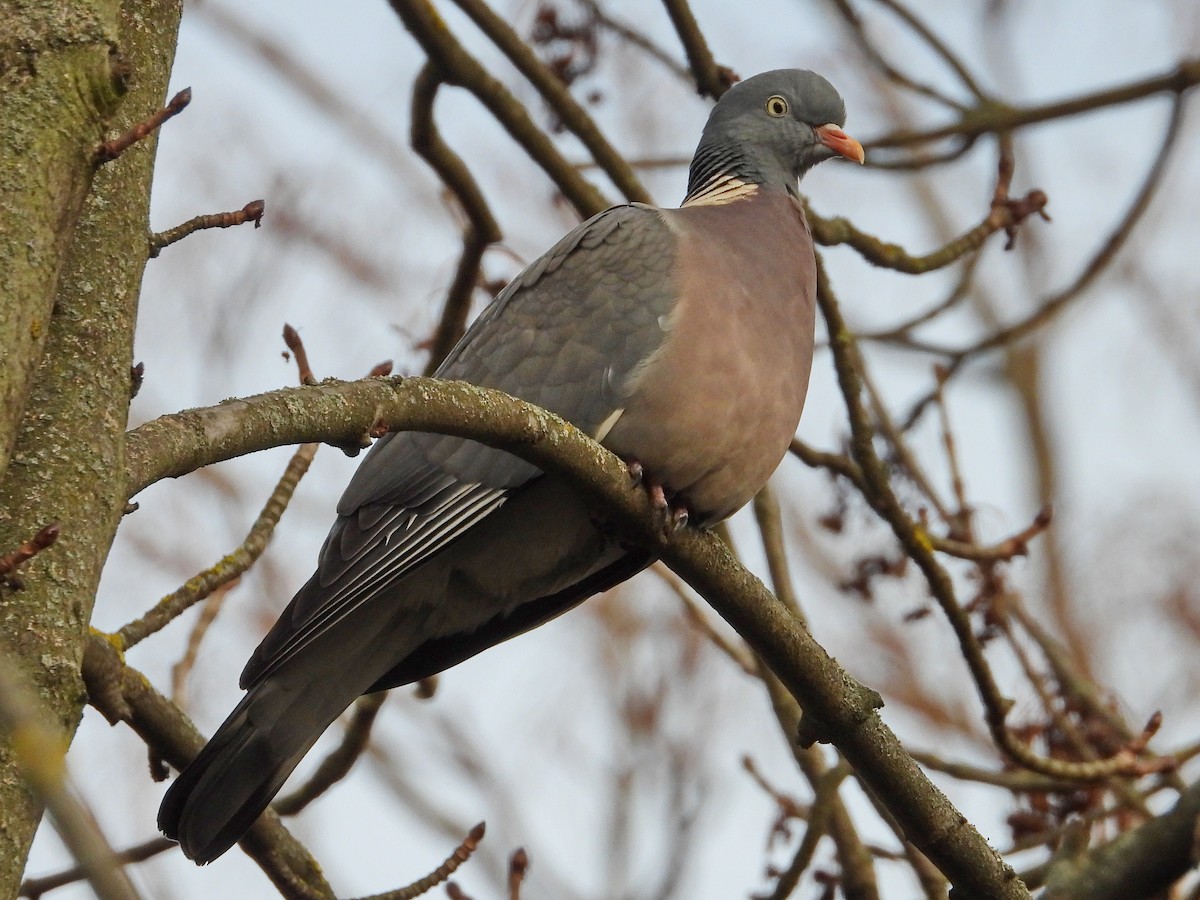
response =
{"points": [[73, 244]]}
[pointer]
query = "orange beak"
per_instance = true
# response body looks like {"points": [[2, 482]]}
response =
{"points": [[840, 142]]}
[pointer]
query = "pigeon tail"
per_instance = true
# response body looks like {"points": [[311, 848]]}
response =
{"points": [[234, 778]]}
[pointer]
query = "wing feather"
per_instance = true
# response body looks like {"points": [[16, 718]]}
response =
{"points": [[565, 335]]}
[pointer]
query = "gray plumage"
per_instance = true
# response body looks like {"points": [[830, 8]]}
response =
{"points": [[678, 338]]}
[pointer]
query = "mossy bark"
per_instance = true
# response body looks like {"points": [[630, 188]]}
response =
{"points": [[73, 245]]}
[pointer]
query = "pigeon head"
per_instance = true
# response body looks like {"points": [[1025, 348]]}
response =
{"points": [[771, 129]]}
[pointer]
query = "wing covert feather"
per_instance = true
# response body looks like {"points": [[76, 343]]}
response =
{"points": [[565, 334]]}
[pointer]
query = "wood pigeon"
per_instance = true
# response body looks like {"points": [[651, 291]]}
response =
{"points": [[681, 339]]}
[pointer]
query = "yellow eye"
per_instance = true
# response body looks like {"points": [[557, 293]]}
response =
{"points": [[776, 106]]}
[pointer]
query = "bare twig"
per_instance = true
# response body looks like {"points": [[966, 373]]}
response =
{"points": [[1014, 781], [251, 212], [45, 537], [1013, 546], [295, 344], [770, 526], [110, 150], [208, 614], [1055, 303], [1001, 217], [40, 753], [558, 97], [518, 865], [34, 888], [936, 44], [232, 566], [917, 546], [123, 694], [460, 855], [632, 36], [712, 79], [870, 49], [457, 66], [997, 117], [899, 334], [482, 230], [837, 463], [740, 656]]}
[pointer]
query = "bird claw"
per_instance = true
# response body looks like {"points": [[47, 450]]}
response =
{"points": [[636, 473], [672, 518], [658, 497]]}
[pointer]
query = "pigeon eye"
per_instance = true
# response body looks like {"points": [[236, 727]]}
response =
{"points": [[776, 106]]}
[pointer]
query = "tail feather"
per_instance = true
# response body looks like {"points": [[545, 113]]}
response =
{"points": [[234, 778]]}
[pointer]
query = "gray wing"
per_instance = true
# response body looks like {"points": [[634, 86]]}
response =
{"points": [[565, 334]]}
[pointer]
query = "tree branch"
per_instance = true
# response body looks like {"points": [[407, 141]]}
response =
{"points": [[838, 708], [122, 694], [459, 67], [712, 80], [1146, 860], [481, 231], [995, 116], [559, 98]]}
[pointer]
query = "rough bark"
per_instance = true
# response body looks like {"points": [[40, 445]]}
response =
{"points": [[74, 264], [57, 89]]}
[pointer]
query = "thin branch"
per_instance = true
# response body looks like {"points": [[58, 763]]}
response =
{"points": [[1002, 217], [1014, 781], [558, 97], [695, 613], [45, 538], [770, 525], [230, 567], [915, 541], [457, 66], [40, 752], [712, 80], [110, 150], [867, 46], [1013, 546], [295, 345], [34, 888], [996, 117], [460, 855], [899, 334], [251, 212], [123, 694], [482, 229], [936, 44], [518, 866], [632, 36], [208, 614], [826, 791], [1055, 303], [837, 463]]}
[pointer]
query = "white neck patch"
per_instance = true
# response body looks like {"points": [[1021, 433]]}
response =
{"points": [[721, 190]]}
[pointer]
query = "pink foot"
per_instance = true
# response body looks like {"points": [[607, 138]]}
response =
{"points": [[672, 517]]}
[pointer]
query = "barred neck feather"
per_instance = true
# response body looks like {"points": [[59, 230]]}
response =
{"points": [[719, 190], [721, 173]]}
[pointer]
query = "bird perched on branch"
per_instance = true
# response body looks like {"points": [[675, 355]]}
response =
{"points": [[681, 339]]}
